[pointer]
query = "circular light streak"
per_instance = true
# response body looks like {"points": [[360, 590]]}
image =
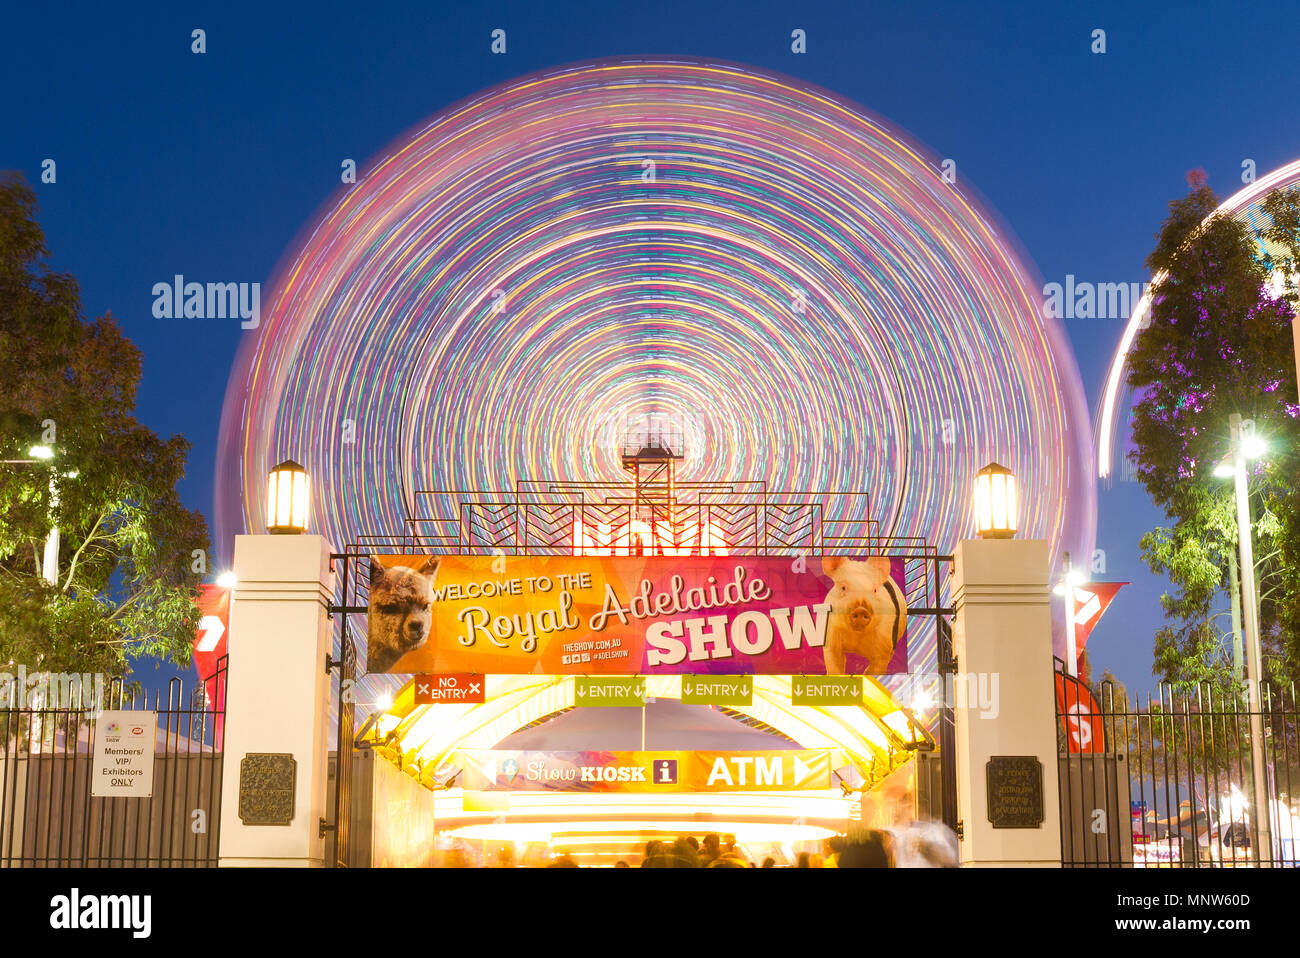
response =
{"points": [[785, 274]]}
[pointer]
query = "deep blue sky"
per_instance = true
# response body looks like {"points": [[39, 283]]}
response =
{"points": [[169, 162]]}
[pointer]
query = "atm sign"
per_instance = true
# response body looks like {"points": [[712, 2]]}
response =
{"points": [[442, 688]]}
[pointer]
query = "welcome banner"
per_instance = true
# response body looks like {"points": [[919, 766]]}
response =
{"points": [[634, 615]]}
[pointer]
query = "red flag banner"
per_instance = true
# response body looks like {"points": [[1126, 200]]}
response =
{"points": [[1079, 714], [1090, 601], [210, 642]]}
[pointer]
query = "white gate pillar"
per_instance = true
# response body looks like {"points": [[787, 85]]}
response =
{"points": [[277, 703], [1005, 704]]}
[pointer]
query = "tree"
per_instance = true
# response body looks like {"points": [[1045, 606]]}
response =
{"points": [[127, 571], [1282, 259], [1219, 342]]}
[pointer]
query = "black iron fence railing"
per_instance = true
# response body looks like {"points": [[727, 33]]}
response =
{"points": [[1177, 778], [48, 817]]}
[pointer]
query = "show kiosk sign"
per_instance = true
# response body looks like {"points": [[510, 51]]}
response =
{"points": [[636, 615], [491, 770]]}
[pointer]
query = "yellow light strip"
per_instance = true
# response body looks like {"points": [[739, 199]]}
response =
{"points": [[824, 804], [433, 734], [745, 832]]}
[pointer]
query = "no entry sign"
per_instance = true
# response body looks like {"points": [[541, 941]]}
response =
{"points": [[449, 687]]}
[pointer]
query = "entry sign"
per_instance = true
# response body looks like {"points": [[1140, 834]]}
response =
{"points": [[826, 689], [123, 763], [609, 691], [449, 687], [717, 690]]}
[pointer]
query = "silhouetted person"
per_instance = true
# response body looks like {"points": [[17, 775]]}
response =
{"points": [[712, 848], [866, 851], [769, 862], [683, 855], [653, 854], [831, 849], [727, 861], [730, 850], [924, 844]]}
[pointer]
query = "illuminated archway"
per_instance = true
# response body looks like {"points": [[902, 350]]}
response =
{"points": [[875, 737]]}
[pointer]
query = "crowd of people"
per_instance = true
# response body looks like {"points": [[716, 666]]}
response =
{"points": [[915, 845], [714, 852]]}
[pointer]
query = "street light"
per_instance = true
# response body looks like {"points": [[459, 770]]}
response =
{"points": [[1073, 579], [50, 560], [995, 502], [1246, 445], [286, 499]]}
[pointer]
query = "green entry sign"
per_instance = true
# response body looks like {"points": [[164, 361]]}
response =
{"points": [[717, 690], [620, 690], [826, 689]]}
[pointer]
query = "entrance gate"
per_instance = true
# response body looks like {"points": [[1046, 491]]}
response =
{"points": [[48, 818], [1164, 780], [551, 518]]}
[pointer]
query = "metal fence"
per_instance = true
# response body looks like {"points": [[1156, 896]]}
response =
{"points": [[48, 817], [1168, 779]]}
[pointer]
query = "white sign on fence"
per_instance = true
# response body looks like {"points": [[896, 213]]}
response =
{"points": [[124, 744]]}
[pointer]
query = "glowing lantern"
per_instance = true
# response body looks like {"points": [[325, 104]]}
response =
{"points": [[995, 502], [286, 499]]}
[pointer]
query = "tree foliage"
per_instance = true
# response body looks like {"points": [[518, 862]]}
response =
{"points": [[126, 571], [1219, 342]]}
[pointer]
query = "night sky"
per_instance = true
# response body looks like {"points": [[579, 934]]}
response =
{"points": [[209, 165]]}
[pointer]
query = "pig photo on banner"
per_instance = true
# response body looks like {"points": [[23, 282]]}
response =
{"points": [[636, 615]]}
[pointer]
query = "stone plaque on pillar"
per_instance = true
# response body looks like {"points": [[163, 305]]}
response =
{"points": [[266, 788], [1015, 791]]}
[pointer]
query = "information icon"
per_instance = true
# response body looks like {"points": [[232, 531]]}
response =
{"points": [[665, 771]]}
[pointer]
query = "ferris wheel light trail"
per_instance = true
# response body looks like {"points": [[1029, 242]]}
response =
{"points": [[789, 277], [1288, 175]]}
